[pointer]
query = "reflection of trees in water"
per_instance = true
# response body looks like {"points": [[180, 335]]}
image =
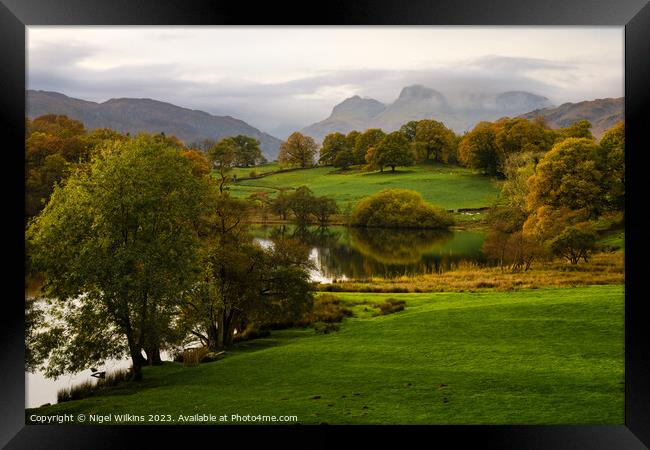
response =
{"points": [[397, 247], [362, 253]]}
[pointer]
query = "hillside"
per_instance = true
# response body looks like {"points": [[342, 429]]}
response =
{"points": [[459, 111], [145, 115], [450, 187], [603, 113]]}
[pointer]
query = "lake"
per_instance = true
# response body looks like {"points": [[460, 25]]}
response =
{"points": [[342, 253]]}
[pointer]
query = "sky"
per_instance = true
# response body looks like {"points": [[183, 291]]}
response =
{"points": [[281, 79]]}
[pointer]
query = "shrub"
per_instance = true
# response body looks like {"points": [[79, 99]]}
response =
{"points": [[252, 174], [328, 309], [391, 305], [399, 208], [325, 328], [88, 388]]}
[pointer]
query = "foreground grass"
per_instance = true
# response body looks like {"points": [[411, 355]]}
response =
{"points": [[547, 356], [450, 187]]}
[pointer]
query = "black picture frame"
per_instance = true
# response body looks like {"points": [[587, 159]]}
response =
{"points": [[15, 15]]}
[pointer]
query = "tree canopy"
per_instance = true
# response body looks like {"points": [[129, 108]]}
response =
{"points": [[298, 149], [117, 246]]}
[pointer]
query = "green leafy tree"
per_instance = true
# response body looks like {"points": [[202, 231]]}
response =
{"points": [[298, 149], [392, 151], [247, 151], [333, 144], [323, 209], [117, 245], [364, 142], [574, 244], [222, 157], [409, 130]]}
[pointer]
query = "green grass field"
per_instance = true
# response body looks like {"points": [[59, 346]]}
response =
{"points": [[544, 356], [447, 186]]}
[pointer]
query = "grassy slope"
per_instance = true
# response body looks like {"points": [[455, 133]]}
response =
{"points": [[535, 356], [447, 186]]}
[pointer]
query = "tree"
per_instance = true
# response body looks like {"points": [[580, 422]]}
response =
{"points": [[247, 151], [117, 245], [364, 142], [578, 129], [409, 130], [478, 149], [333, 144], [392, 151], [323, 208], [522, 135], [574, 244], [611, 161], [568, 176], [432, 138], [301, 204], [222, 157], [351, 140], [298, 149], [398, 208], [280, 205], [243, 283]]}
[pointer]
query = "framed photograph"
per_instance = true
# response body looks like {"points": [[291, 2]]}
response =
{"points": [[387, 218]]}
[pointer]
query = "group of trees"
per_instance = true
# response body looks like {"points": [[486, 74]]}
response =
{"points": [[489, 144], [140, 247], [550, 200], [373, 149], [304, 207], [245, 150]]}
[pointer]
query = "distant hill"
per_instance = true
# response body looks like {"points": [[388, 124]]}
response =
{"points": [[603, 113], [135, 115], [460, 112]]}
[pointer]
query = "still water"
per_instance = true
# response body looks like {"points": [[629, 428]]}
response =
{"points": [[341, 253]]}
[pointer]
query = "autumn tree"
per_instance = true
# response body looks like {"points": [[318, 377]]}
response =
{"points": [[298, 149], [433, 140], [578, 129], [392, 151], [568, 176], [478, 149], [117, 245], [611, 160]]}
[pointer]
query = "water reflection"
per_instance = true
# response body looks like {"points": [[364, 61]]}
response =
{"points": [[359, 253]]}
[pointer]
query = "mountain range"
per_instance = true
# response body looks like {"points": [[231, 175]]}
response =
{"points": [[135, 115], [462, 111], [602, 113], [459, 112]]}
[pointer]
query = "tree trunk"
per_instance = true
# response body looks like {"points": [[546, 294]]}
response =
{"points": [[392, 168], [213, 338], [153, 356]]}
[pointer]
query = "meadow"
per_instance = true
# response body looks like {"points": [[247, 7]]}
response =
{"points": [[450, 187], [533, 356]]}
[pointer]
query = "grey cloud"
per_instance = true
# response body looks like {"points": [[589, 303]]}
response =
{"points": [[280, 108]]}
